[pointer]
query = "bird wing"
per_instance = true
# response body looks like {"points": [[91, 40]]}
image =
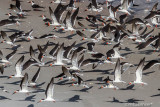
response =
{"points": [[50, 89], [24, 82], [19, 65], [150, 64], [117, 71], [139, 70], [35, 77], [60, 52], [10, 56], [74, 15]]}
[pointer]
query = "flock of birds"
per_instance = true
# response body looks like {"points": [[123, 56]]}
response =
{"points": [[106, 29]]}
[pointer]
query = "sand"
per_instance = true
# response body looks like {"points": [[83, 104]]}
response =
{"points": [[67, 95]]}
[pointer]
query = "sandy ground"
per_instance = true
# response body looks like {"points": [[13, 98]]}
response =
{"points": [[65, 95]]}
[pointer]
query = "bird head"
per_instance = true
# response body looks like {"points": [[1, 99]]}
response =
{"points": [[15, 92], [40, 101], [10, 76]]}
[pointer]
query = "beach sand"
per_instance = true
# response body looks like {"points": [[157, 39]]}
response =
{"points": [[64, 94]]}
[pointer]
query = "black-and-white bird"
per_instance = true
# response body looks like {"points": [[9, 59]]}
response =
{"points": [[18, 66], [23, 85], [118, 72], [139, 73], [49, 92]]}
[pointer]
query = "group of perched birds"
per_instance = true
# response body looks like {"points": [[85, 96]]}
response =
{"points": [[107, 30]]}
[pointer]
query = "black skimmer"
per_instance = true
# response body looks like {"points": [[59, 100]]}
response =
{"points": [[109, 84], [118, 72], [124, 7], [28, 35], [139, 73], [93, 6], [6, 60], [18, 67], [23, 85], [90, 46], [112, 12], [154, 16], [57, 1], [114, 53], [65, 75], [68, 52], [80, 82], [45, 19], [35, 6], [4, 90], [147, 43], [57, 14], [154, 8], [17, 8], [49, 92], [72, 4], [53, 52], [70, 20], [12, 17], [9, 40], [59, 56], [76, 64]]}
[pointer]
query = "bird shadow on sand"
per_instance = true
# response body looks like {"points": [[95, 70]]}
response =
{"points": [[126, 49], [125, 54], [39, 85], [14, 47], [80, 44], [12, 30], [3, 76], [59, 31], [4, 98], [148, 73], [148, 52], [27, 52], [84, 89], [31, 105], [15, 83], [63, 82], [133, 100], [102, 71], [115, 101], [69, 36], [130, 87], [75, 98], [29, 98]]}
